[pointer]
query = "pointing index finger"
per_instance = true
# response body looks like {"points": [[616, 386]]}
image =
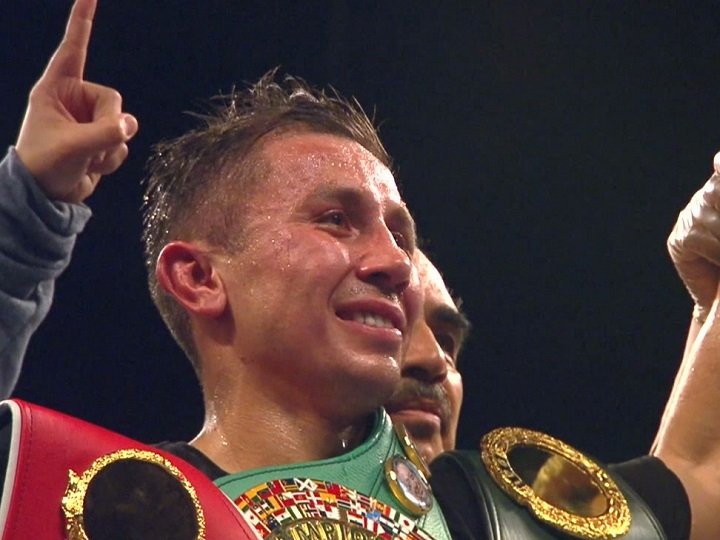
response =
{"points": [[69, 58]]}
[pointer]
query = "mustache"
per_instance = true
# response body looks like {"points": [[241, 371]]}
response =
{"points": [[413, 389]]}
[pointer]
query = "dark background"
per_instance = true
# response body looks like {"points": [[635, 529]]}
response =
{"points": [[545, 148]]}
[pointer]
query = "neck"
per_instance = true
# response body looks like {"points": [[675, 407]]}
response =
{"points": [[241, 434]]}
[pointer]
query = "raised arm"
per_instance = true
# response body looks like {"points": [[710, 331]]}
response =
{"points": [[74, 132], [688, 440]]}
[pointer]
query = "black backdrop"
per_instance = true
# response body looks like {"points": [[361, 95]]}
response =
{"points": [[545, 148]]}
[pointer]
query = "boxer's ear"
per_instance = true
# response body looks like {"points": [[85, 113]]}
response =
{"points": [[186, 272]]}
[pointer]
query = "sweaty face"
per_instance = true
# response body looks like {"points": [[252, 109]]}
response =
{"points": [[429, 397], [323, 292]]}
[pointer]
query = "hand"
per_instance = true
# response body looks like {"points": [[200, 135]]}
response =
{"points": [[694, 244], [74, 131]]}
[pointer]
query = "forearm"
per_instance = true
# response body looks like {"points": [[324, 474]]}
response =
{"points": [[680, 379], [36, 241], [688, 439], [688, 428]]}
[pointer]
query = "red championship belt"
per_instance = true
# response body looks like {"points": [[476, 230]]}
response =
{"points": [[64, 478]]}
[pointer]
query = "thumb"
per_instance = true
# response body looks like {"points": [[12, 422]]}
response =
{"points": [[102, 134], [129, 126]]}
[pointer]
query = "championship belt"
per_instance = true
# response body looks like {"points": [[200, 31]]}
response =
{"points": [[528, 485], [376, 491], [67, 479]]}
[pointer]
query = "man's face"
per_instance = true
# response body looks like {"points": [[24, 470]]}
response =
{"points": [[429, 397], [323, 292]]}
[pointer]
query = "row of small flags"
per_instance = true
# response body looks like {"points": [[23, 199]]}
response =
{"points": [[279, 502]]}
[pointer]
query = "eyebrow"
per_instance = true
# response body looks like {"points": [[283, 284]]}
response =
{"points": [[455, 319]]}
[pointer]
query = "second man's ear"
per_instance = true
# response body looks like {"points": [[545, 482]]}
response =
{"points": [[186, 272]]}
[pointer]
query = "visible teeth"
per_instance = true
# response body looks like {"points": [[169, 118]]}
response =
{"points": [[373, 320]]}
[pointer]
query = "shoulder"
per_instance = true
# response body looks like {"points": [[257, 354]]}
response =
{"points": [[193, 456]]}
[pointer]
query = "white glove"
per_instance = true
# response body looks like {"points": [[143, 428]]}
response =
{"points": [[694, 244]]}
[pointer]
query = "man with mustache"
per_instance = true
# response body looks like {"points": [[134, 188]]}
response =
{"points": [[428, 399]]}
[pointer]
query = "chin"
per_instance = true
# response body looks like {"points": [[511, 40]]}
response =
{"points": [[366, 385], [380, 371]]}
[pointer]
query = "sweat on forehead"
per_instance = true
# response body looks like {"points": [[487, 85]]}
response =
{"points": [[306, 154]]}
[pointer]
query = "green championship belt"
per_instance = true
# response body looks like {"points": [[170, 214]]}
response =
{"points": [[377, 490]]}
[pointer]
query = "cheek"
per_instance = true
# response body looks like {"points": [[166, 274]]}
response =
{"points": [[300, 260], [322, 258], [455, 391]]}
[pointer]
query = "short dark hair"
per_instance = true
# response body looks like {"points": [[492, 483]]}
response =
{"points": [[190, 178]]}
